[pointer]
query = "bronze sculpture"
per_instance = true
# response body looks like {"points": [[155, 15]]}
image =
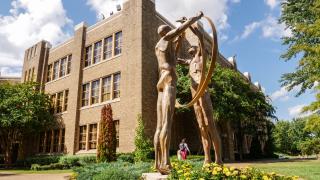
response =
{"points": [[166, 55], [203, 107], [166, 51]]}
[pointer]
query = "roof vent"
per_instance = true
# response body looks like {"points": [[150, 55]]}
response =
{"points": [[258, 85], [232, 60], [118, 7], [247, 75], [111, 13]]}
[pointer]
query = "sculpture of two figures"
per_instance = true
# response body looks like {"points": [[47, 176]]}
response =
{"points": [[166, 52]]}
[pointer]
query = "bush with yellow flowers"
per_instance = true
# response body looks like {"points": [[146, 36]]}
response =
{"points": [[185, 171]]}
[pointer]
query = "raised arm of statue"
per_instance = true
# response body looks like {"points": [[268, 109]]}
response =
{"points": [[199, 34], [176, 32], [183, 61]]}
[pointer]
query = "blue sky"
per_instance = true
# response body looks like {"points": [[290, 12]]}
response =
{"points": [[247, 29]]}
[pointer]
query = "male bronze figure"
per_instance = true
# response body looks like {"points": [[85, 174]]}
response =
{"points": [[203, 107], [166, 55]]}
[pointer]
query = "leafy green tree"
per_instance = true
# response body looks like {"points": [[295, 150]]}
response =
{"points": [[303, 19], [313, 125], [23, 111], [142, 143], [310, 146], [289, 134], [107, 142]]}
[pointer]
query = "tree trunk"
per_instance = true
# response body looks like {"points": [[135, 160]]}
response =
{"points": [[8, 155]]}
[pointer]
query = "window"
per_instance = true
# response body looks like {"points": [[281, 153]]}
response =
{"points": [[87, 61], [63, 67], [97, 52], [59, 102], [82, 137], [48, 144], [53, 100], [116, 85], [118, 43], [106, 89], [66, 93], [116, 122], [62, 140], [32, 74], [107, 50], [35, 50], [85, 94], [56, 135], [95, 92], [41, 142], [49, 77], [69, 64], [29, 75], [25, 76], [55, 70], [93, 136]]}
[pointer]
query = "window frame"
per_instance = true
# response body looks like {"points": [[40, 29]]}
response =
{"points": [[85, 96], [118, 43], [116, 84], [88, 56], [93, 136], [82, 137]]}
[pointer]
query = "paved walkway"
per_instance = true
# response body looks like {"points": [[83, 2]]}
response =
{"points": [[13, 176]]}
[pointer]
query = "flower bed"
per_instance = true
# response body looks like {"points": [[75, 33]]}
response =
{"points": [[185, 171]]}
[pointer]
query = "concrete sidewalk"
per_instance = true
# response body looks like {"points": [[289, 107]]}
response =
{"points": [[13, 176]]}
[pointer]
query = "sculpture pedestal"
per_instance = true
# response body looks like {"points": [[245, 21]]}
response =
{"points": [[154, 176]]}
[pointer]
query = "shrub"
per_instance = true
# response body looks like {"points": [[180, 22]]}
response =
{"points": [[126, 157], [41, 160], [54, 166], [35, 167], [71, 161], [142, 143], [107, 142], [114, 170], [184, 170]]}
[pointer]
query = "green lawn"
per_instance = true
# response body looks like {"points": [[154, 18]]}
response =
{"points": [[36, 172], [308, 169]]}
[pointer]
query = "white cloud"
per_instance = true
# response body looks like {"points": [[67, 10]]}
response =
{"points": [[272, 3], [248, 29], [215, 9], [296, 111], [104, 6], [29, 21], [235, 1], [175, 9], [283, 94], [272, 29], [269, 27]]}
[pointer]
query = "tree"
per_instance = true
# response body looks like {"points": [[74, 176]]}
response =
{"points": [[303, 19], [142, 143], [24, 111], [107, 142], [289, 135], [313, 125]]}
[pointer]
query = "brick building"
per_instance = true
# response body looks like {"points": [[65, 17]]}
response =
{"points": [[112, 61]]}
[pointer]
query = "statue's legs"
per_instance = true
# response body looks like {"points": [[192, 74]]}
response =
{"points": [[212, 129], [168, 105], [156, 140], [206, 142]]}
